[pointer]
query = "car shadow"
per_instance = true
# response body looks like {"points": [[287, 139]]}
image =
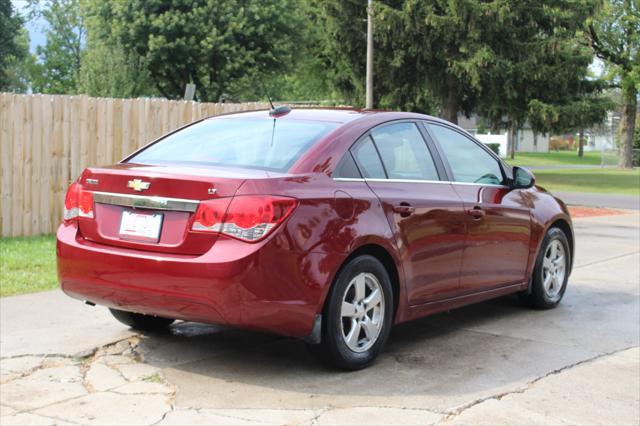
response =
{"points": [[470, 350]]}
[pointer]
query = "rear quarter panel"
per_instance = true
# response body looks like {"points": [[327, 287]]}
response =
{"points": [[333, 219]]}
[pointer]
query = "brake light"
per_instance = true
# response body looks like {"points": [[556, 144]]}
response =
{"points": [[78, 202], [247, 218], [210, 215]]}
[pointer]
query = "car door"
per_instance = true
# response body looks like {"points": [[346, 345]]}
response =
{"points": [[424, 212], [498, 219]]}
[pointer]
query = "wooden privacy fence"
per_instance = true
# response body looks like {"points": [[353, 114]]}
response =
{"points": [[47, 140]]}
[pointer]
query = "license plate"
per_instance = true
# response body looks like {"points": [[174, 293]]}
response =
{"points": [[141, 226]]}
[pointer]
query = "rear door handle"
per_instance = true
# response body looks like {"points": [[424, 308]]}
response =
{"points": [[404, 209], [476, 213]]}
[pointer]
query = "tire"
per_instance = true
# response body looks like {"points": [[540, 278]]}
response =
{"points": [[551, 272], [142, 322], [353, 338]]}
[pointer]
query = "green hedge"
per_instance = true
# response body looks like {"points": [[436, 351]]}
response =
{"points": [[495, 147]]}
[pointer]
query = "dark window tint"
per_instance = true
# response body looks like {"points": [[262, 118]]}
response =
{"points": [[347, 168], [469, 162], [404, 152], [368, 159], [245, 142]]}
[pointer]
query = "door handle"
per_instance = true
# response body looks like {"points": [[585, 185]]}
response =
{"points": [[476, 213], [404, 209]]}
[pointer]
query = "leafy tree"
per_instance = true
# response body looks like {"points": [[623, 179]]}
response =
{"points": [[636, 134], [615, 37], [462, 56], [57, 70], [107, 68], [19, 66], [572, 116], [436, 47], [14, 48], [306, 79], [537, 67], [216, 45], [400, 79]]}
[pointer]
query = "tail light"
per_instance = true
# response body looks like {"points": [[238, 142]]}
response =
{"points": [[247, 218], [78, 202]]}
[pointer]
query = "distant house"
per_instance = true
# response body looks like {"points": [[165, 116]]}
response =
{"points": [[603, 136], [526, 139]]}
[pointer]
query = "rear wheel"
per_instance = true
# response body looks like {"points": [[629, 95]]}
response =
{"points": [[551, 272], [142, 322], [358, 314]]}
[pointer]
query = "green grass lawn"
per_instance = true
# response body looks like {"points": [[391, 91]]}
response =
{"points": [[596, 179], [27, 265], [559, 158], [613, 181]]}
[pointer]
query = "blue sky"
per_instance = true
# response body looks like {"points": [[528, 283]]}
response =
{"points": [[35, 28]]}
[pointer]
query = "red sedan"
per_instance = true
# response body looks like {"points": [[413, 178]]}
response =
{"points": [[323, 224]]}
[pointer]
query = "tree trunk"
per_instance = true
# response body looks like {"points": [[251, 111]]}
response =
{"points": [[581, 143], [511, 141], [450, 102], [627, 125]]}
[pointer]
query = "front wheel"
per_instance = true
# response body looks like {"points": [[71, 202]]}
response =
{"points": [[357, 316], [140, 321], [551, 271]]}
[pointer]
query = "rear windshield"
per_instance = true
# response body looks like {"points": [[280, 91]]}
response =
{"points": [[269, 144]]}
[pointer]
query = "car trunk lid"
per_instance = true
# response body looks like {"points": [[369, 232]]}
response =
{"points": [[151, 207]]}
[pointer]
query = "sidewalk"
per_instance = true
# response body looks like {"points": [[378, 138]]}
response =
{"points": [[569, 396]]}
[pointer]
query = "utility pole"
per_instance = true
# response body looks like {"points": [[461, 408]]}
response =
{"points": [[369, 98]]}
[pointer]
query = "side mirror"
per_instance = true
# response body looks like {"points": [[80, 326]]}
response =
{"points": [[522, 178]]}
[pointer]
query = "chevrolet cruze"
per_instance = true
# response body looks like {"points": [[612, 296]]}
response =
{"points": [[323, 224]]}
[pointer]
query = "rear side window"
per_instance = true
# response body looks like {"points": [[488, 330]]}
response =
{"points": [[368, 159], [347, 168], [404, 152], [270, 144]]}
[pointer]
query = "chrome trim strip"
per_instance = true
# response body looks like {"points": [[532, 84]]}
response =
{"points": [[146, 202], [416, 181], [407, 181]]}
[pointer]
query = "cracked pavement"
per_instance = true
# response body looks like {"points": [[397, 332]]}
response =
{"points": [[62, 362]]}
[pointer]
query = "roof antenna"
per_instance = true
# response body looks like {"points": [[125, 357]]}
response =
{"points": [[275, 111]]}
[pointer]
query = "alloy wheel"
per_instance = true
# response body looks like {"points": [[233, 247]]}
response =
{"points": [[362, 312], [553, 269]]}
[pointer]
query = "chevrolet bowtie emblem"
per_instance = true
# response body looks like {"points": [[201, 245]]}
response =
{"points": [[138, 185]]}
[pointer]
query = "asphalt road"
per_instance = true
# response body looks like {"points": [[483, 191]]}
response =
{"points": [[592, 199], [492, 363]]}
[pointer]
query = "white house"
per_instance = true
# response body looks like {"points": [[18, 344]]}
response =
{"points": [[526, 139]]}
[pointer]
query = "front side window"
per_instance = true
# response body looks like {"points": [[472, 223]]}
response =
{"points": [[269, 144], [404, 152], [468, 161]]}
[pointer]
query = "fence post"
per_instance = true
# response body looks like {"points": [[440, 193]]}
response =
{"points": [[6, 156]]}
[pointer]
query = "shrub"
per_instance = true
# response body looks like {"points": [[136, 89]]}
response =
{"points": [[495, 147], [558, 144]]}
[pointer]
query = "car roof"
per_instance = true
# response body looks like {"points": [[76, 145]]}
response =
{"points": [[335, 115]]}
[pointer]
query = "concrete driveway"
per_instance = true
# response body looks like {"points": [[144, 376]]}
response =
{"points": [[493, 363]]}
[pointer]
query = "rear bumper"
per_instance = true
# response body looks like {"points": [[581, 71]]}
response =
{"points": [[256, 286]]}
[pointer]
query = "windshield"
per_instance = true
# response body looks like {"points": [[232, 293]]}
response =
{"points": [[269, 144]]}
